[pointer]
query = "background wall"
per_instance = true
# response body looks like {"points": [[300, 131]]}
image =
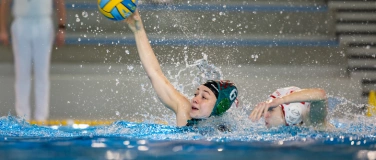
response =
{"points": [[260, 45]]}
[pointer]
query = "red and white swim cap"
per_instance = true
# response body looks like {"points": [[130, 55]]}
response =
{"points": [[293, 112]]}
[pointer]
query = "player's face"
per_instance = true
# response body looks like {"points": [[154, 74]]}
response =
{"points": [[202, 103], [274, 117]]}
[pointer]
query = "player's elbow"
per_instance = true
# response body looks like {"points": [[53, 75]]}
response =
{"points": [[321, 93]]}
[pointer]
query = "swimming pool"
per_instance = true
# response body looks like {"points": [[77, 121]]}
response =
{"points": [[353, 138]]}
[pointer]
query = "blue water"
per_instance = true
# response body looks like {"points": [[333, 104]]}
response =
{"points": [[352, 139]]}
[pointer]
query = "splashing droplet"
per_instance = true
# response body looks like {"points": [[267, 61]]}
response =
{"points": [[84, 14]]}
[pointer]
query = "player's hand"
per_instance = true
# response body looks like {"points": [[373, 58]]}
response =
{"points": [[262, 108], [4, 38], [259, 110], [60, 37], [134, 21]]}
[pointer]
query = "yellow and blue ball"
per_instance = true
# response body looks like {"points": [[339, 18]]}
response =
{"points": [[117, 9]]}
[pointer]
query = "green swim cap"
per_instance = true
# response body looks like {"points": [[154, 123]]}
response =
{"points": [[226, 93]]}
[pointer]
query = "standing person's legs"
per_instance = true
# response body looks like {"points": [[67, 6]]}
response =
{"points": [[42, 46], [20, 31]]}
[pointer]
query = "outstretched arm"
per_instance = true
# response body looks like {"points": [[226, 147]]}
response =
{"points": [[166, 92], [303, 95], [316, 96]]}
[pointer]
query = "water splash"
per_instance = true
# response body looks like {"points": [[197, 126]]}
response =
{"points": [[359, 128], [200, 72]]}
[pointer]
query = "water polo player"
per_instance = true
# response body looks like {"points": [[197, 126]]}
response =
{"points": [[292, 106], [210, 99]]}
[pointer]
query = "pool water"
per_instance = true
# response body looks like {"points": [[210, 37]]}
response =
{"points": [[129, 148], [352, 139]]}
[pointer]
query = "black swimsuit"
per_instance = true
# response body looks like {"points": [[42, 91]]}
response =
{"points": [[194, 122]]}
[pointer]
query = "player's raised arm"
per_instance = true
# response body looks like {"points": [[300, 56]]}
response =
{"points": [[169, 96]]}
